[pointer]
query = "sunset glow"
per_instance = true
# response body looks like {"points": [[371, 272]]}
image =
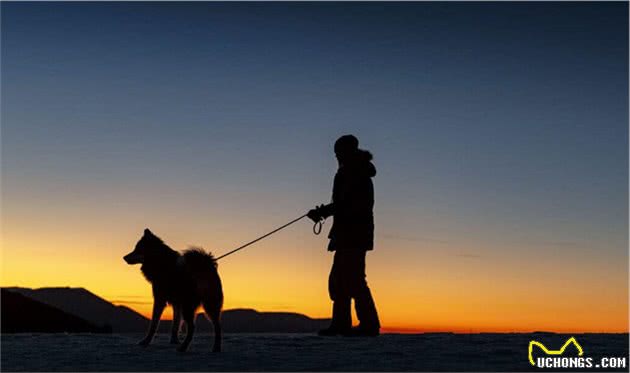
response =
{"points": [[502, 156]]}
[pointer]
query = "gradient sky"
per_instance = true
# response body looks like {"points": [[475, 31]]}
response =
{"points": [[500, 135]]}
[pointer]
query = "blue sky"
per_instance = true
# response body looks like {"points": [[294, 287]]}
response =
{"points": [[499, 128]]}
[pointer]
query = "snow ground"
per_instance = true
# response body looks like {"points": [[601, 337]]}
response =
{"points": [[290, 352]]}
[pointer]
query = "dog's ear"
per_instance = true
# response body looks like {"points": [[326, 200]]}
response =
{"points": [[147, 232]]}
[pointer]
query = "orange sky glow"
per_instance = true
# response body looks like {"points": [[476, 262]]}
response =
{"points": [[430, 290]]}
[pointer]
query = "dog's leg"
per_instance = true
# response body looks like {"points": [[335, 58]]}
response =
{"points": [[158, 308], [177, 320], [189, 318], [214, 313]]}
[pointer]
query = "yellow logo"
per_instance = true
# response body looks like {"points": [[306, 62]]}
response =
{"points": [[553, 352]]}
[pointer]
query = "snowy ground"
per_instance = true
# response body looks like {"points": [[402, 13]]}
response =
{"points": [[291, 352]]}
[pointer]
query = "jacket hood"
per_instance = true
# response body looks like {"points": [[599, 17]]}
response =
{"points": [[362, 165], [370, 169]]}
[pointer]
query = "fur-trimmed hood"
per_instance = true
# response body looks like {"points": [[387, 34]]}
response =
{"points": [[361, 165]]}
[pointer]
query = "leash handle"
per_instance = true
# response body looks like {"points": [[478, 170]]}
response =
{"points": [[317, 227]]}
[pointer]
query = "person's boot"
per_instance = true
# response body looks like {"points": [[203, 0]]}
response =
{"points": [[369, 324], [341, 319]]}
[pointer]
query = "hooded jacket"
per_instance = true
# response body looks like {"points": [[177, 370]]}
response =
{"points": [[352, 206]]}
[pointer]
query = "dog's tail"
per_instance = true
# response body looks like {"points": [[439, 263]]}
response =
{"points": [[199, 261]]}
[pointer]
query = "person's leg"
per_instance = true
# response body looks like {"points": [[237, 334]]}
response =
{"points": [[337, 289], [366, 311], [341, 315], [369, 323]]}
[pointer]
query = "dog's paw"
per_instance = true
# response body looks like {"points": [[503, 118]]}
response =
{"points": [[143, 343]]}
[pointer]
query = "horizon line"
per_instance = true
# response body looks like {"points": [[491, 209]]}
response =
{"points": [[384, 329]]}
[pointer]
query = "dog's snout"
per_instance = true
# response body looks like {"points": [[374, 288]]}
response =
{"points": [[133, 258]]}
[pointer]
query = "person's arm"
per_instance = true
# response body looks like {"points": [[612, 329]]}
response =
{"points": [[324, 211], [321, 212]]}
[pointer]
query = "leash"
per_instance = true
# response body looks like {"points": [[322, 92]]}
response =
{"points": [[317, 229]]}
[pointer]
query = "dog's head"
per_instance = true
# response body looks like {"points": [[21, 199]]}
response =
{"points": [[143, 248]]}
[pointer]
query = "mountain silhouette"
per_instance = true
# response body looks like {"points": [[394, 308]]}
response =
{"points": [[21, 314], [85, 305], [88, 306], [252, 321]]}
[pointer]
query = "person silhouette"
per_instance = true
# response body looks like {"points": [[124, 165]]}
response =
{"points": [[350, 237]]}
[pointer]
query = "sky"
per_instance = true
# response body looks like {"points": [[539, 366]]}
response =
{"points": [[499, 132]]}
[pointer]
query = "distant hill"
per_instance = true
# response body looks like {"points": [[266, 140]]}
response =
{"points": [[96, 310], [21, 314], [251, 321], [86, 305]]}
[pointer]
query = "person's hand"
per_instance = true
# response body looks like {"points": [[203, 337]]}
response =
{"points": [[315, 214]]}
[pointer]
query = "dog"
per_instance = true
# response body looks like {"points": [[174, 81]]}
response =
{"points": [[185, 281]]}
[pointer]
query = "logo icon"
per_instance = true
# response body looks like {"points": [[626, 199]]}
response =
{"points": [[553, 352]]}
